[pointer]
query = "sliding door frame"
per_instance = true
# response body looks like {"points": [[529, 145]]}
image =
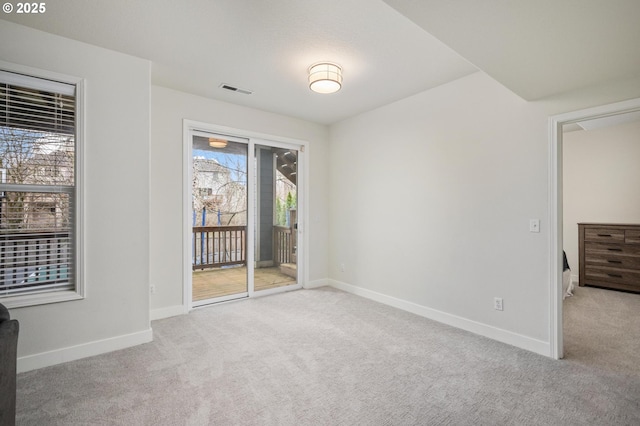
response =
{"points": [[191, 127], [300, 207]]}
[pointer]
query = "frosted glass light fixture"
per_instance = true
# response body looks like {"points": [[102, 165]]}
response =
{"points": [[217, 143], [325, 77]]}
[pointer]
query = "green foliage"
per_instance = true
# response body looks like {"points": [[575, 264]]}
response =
{"points": [[281, 214], [282, 207], [291, 201]]}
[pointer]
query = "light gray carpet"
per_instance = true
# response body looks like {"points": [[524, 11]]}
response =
{"points": [[602, 329], [325, 357]]}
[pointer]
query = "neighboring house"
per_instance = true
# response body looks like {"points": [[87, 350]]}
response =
{"points": [[215, 190], [48, 162]]}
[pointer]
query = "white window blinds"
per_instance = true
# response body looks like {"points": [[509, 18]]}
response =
{"points": [[37, 185]]}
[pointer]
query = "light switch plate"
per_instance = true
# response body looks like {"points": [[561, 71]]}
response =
{"points": [[534, 225]]}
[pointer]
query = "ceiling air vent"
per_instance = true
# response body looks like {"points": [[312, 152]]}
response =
{"points": [[235, 89]]}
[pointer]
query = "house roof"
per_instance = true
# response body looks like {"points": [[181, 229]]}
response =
{"points": [[388, 49]]}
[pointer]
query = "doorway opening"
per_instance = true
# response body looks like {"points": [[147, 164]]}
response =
{"points": [[557, 124]]}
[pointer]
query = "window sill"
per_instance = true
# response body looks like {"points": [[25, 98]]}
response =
{"points": [[39, 299]]}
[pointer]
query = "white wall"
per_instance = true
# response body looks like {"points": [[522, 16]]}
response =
{"points": [[601, 180], [431, 198], [115, 312], [168, 109]]}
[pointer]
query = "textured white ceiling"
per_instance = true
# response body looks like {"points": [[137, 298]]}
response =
{"points": [[537, 48], [266, 47]]}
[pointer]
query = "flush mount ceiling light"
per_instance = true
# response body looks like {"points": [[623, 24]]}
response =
{"points": [[325, 77], [217, 143]]}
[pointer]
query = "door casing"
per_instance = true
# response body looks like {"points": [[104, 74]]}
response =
{"points": [[555, 209], [191, 127]]}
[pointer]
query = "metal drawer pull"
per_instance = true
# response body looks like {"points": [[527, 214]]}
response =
{"points": [[604, 235], [614, 261], [615, 275], [614, 249]]}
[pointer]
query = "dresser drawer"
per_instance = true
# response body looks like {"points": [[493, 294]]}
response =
{"points": [[632, 236], [612, 261], [592, 249], [604, 235], [597, 275]]}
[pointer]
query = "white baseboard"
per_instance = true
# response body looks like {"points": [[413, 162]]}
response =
{"points": [[166, 312], [316, 283], [504, 336], [72, 353], [172, 311]]}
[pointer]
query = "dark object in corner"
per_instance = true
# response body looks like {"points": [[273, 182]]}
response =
{"points": [[8, 358], [565, 262]]}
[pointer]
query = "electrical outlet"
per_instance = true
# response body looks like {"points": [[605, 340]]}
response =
{"points": [[152, 289], [343, 268], [497, 303]]}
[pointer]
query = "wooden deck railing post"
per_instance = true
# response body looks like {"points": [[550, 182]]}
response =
{"points": [[282, 245], [225, 245]]}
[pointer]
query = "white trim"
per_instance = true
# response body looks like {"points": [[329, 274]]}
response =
{"points": [[23, 300], [258, 204], [252, 198], [187, 153], [235, 298], [167, 312], [220, 301], [233, 132], [208, 302], [504, 336], [316, 283], [38, 83], [72, 353], [555, 241], [575, 279], [276, 290], [81, 114], [80, 292], [40, 73], [555, 208], [303, 212]]}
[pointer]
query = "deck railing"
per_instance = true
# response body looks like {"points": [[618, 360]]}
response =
{"points": [[215, 246], [282, 245], [34, 258]]}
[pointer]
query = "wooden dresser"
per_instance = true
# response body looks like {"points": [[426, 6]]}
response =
{"points": [[610, 255]]}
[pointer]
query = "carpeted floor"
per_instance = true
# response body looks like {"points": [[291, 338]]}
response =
{"points": [[325, 357], [602, 330]]}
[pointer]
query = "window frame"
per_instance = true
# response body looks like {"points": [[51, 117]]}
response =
{"points": [[79, 292]]}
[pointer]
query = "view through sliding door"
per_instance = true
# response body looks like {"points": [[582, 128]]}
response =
{"points": [[244, 217], [219, 218], [276, 218]]}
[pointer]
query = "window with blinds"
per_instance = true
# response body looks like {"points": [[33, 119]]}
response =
{"points": [[37, 186]]}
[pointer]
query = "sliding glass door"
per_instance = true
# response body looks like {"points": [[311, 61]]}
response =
{"points": [[244, 223], [276, 223], [219, 218]]}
